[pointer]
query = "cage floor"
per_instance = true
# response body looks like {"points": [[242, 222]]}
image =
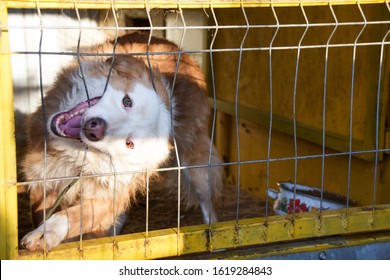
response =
{"points": [[163, 211]]}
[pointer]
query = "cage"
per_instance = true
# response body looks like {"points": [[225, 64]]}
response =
{"points": [[298, 92]]}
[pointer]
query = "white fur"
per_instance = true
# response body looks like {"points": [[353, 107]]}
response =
{"points": [[147, 123], [53, 232], [131, 139]]}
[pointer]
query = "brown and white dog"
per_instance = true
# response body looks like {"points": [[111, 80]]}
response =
{"points": [[128, 125]]}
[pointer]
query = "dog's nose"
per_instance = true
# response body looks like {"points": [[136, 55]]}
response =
{"points": [[94, 129]]}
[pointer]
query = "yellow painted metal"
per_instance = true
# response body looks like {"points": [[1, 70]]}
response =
{"points": [[226, 235], [172, 4], [8, 190]]}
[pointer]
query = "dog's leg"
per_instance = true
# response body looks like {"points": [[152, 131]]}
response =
{"points": [[204, 182], [120, 221], [97, 219], [38, 204]]}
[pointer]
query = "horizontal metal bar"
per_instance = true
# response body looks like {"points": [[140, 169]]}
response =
{"points": [[275, 48], [195, 27], [334, 141], [243, 162], [225, 235], [174, 4]]}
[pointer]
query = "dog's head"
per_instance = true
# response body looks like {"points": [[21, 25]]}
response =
{"points": [[127, 118]]}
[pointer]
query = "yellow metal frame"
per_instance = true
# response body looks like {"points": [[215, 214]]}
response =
{"points": [[8, 189], [168, 242], [226, 235], [172, 4]]}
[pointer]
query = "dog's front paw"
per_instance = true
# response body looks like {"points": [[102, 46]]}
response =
{"points": [[34, 240], [53, 234]]}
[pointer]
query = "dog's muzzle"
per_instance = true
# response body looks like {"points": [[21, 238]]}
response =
{"points": [[69, 124]]}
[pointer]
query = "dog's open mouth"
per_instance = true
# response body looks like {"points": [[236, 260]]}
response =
{"points": [[68, 124]]}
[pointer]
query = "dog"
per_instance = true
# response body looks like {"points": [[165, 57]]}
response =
{"points": [[112, 118]]}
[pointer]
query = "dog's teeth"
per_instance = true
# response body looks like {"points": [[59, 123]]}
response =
{"points": [[60, 120], [77, 113], [59, 130]]}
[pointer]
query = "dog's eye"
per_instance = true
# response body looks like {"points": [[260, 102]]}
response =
{"points": [[126, 101]]}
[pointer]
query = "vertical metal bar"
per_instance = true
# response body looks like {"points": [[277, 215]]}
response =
{"points": [[85, 154], [214, 109], [8, 189], [268, 167], [171, 110], [214, 91], [377, 124], [324, 109], [44, 127], [148, 45], [81, 203], [174, 137], [236, 113], [295, 108], [79, 58], [154, 87], [115, 44], [114, 208], [147, 204], [352, 94]]}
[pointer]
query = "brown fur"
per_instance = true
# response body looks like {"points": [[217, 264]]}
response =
{"points": [[191, 116]]}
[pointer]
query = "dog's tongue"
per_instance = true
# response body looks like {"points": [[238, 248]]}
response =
{"points": [[68, 124], [72, 127]]}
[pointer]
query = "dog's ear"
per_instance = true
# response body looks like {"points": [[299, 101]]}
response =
{"points": [[126, 64], [131, 68]]}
